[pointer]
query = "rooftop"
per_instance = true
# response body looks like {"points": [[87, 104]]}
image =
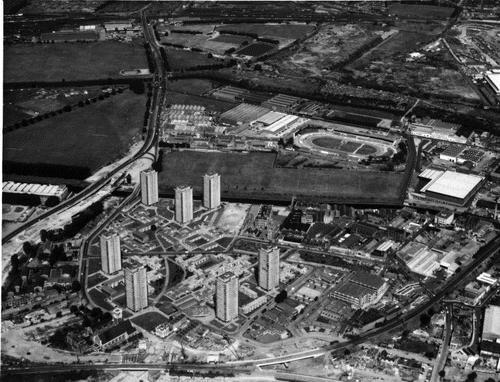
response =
{"points": [[453, 184], [366, 279]]}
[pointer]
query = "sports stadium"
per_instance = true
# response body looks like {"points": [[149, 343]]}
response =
{"points": [[343, 144]]}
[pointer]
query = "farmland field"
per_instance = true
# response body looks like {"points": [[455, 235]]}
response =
{"points": [[425, 11], [191, 85], [91, 136], [180, 59], [255, 49], [253, 176], [283, 31], [217, 45], [231, 39], [78, 61]]}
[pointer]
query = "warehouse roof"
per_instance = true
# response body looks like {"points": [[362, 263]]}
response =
{"points": [[453, 184], [366, 279]]}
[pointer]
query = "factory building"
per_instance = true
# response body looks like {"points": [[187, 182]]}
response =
{"points": [[360, 289], [448, 187]]}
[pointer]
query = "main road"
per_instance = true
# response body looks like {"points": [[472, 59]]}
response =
{"points": [[483, 254], [150, 141]]}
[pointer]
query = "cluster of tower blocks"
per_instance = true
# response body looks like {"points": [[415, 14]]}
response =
{"points": [[183, 194], [227, 284]]}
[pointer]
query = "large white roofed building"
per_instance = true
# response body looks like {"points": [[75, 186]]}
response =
{"points": [[453, 188], [491, 326]]}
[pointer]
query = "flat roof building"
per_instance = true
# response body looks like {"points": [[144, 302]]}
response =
{"points": [[111, 257], [491, 325], [227, 296], [269, 268], [136, 288], [493, 79], [183, 204], [453, 188], [149, 187], [211, 191]]}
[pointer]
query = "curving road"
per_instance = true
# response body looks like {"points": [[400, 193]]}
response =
{"points": [[150, 141]]}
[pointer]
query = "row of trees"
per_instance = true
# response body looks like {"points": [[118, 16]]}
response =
{"points": [[65, 109]]}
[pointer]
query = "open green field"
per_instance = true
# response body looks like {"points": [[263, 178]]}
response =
{"points": [[78, 61], [179, 59], [424, 11], [91, 136], [193, 86], [284, 31], [253, 176]]}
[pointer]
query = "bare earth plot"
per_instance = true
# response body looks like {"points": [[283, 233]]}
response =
{"points": [[332, 44], [90, 136], [389, 64], [78, 61], [253, 176]]}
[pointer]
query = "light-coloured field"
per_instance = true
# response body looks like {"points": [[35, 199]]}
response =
{"points": [[232, 217]]}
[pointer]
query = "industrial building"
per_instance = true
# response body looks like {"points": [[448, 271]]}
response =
{"points": [[360, 289], [442, 134], [243, 113], [228, 93], [42, 190], [491, 325], [282, 102], [450, 187], [493, 80]]}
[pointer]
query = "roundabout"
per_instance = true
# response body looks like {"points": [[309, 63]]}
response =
{"points": [[342, 144]]}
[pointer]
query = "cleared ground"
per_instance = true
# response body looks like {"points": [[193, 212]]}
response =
{"points": [[232, 217], [90, 136], [424, 11], [253, 176], [332, 44], [78, 61], [284, 31]]}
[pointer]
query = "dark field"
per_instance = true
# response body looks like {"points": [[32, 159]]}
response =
{"points": [[100, 299], [349, 147], [281, 31], [253, 176], [366, 150], [179, 59], [328, 143], [192, 86], [425, 11], [91, 136], [232, 39], [255, 49], [77, 61], [149, 321]]}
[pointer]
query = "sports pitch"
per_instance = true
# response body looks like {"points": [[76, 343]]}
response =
{"points": [[253, 176]]}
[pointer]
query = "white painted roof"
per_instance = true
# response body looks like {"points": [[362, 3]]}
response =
{"points": [[453, 184]]}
